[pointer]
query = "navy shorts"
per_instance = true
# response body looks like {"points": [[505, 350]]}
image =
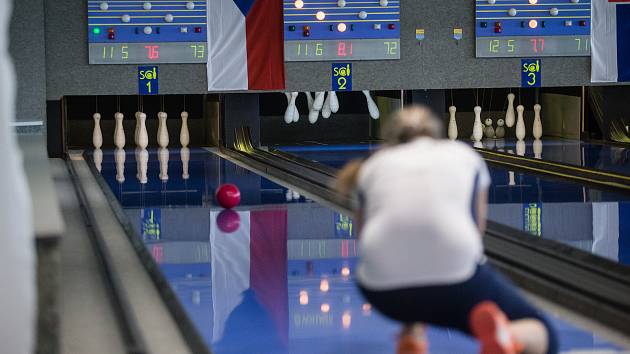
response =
{"points": [[449, 305]]}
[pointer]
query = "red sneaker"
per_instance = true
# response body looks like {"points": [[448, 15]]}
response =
{"points": [[410, 344], [491, 327]]}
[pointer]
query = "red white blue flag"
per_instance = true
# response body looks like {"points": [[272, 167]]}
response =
{"points": [[610, 50], [246, 45]]}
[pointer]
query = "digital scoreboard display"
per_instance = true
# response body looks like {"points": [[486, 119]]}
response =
{"points": [[316, 30], [147, 32], [323, 50], [541, 28], [143, 53]]}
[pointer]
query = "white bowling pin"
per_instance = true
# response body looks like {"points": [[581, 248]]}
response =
{"points": [[313, 115], [488, 131], [512, 180], [334, 101], [289, 114], [98, 158], [509, 114], [163, 157], [184, 153], [184, 134], [119, 133], [97, 135], [477, 126], [537, 131], [326, 110], [452, 123], [296, 112], [309, 100], [143, 135], [143, 160], [500, 144], [520, 123], [163, 138], [478, 145], [520, 148], [137, 130], [372, 107], [119, 157], [538, 148], [318, 102], [500, 131]]}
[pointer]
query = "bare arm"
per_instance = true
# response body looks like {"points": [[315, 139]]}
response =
{"points": [[482, 210], [347, 178]]}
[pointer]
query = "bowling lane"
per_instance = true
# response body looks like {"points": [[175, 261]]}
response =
{"points": [[276, 275], [594, 220], [588, 154]]}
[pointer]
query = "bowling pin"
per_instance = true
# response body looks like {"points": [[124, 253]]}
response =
{"points": [[296, 112], [372, 107], [184, 134], [478, 145], [163, 157], [520, 123], [119, 133], [509, 114], [477, 126], [97, 135], [489, 130], [538, 149], [452, 123], [137, 130], [163, 138], [143, 136], [184, 153], [500, 131], [334, 102], [119, 158], [143, 159], [98, 159], [318, 102], [520, 148], [309, 100], [326, 110], [500, 144], [136, 155], [512, 180], [290, 112], [537, 131]]}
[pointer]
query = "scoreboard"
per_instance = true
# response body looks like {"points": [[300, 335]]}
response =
{"points": [[541, 28], [321, 30], [141, 32]]}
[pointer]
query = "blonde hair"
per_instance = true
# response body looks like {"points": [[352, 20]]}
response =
{"points": [[412, 122]]}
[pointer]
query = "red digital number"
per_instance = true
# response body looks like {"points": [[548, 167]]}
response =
{"points": [[538, 44], [153, 51], [344, 50]]}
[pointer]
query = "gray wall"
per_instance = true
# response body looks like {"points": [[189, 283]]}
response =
{"points": [[27, 48], [437, 62]]}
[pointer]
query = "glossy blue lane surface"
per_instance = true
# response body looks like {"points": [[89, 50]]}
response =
{"points": [[593, 220], [282, 280], [594, 155]]}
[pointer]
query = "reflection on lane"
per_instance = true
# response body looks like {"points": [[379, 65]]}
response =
{"points": [[281, 280], [594, 155], [593, 220]]}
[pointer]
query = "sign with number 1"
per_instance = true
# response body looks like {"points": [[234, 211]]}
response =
{"points": [[342, 76], [148, 83]]}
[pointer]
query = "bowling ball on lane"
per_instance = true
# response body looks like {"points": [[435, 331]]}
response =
{"points": [[228, 195], [228, 221]]}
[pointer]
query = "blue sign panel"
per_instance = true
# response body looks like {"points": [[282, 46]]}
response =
{"points": [[531, 72], [148, 83], [342, 76]]}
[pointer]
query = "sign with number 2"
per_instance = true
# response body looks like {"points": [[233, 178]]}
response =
{"points": [[342, 76]]}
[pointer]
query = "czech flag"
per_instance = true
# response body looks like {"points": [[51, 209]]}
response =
{"points": [[245, 44], [610, 50]]}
